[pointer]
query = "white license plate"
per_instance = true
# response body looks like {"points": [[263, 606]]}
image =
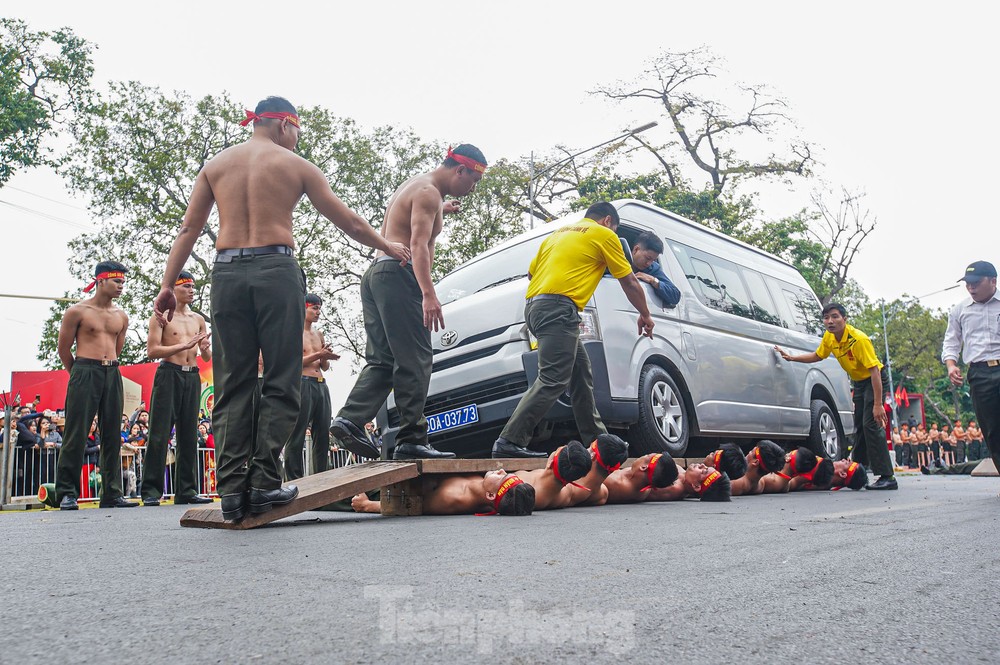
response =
{"points": [[465, 415]]}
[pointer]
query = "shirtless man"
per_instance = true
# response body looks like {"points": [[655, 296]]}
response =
{"points": [[801, 466], [766, 457], [401, 309], [729, 459], [496, 493], [609, 452], [697, 480], [97, 326], [176, 394], [315, 411], [633, 483], [258, 295], [565, 466], [846, 473]]}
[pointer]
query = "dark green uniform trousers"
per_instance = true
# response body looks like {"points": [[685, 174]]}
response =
{"points": [[398, 354], [962, 469], [93, 389], [174, 403], [870, 448], [562, 362], [984, 384], [314, 413], [258, 306]]}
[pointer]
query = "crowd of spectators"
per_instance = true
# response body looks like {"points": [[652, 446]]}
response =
{"points": [[940, 446]]}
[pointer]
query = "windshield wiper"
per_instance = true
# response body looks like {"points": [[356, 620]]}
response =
{"points": [[501, 281]]}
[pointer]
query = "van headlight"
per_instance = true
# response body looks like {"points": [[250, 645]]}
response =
{"points": [[590, 325]]}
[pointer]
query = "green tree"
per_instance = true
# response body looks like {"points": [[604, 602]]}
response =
{"points": [[44, 76]]}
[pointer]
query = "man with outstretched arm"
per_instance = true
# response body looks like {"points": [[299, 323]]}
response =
{"points": [[97, 326], [258, 295], [564, 275], [176, 395], [401, 309], [855, 353]]}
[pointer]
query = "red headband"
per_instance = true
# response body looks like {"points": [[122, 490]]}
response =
{"points": [[508, 484], [851, 470], [717, 458], [708, 482], [597, 457], [467, 162], [254, 117], [104, 275], [653, 461], [555, 472], [181, 281], [808, 476]]}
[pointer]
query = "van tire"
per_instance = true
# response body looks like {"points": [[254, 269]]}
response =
{"points": [[826, 434], [661, 407]]}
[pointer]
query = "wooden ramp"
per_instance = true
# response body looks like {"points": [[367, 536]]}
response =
{"points": [[399, 482], [986, 468], [315, 491]]}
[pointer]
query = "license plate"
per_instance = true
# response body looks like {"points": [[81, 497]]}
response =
{"points": [[440, 422]]}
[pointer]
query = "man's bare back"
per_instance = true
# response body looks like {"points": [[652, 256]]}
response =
{"points": [[421, 191]]}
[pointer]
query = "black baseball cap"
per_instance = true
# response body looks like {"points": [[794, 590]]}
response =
{"points": [[977, 270]]}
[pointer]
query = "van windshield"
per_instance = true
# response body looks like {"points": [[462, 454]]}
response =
{"points": [[504, 266]]}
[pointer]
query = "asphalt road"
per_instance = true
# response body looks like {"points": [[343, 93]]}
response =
{"points": [[823, 577]]}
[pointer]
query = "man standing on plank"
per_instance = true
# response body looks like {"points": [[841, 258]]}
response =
{"points": [[176, 393], [258, 295], [401, 309], [564, 275], [855, 353], [97, 326], [315, 410]]}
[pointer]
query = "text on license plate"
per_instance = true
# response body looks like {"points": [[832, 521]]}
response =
{"points": [[464, 415]]}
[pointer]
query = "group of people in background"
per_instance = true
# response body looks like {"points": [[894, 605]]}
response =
{"points": [[916, 446]]}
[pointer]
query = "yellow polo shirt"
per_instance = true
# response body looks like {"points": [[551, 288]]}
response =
{"points": [[572, 260], [854, 352]]}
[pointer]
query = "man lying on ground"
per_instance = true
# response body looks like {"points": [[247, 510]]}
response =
{"points": [[604, 456], [798, 462], [498, 492], [566, 465], [609, 452], [846, 473], [697, 480], [960, 469], [632, 484], [728, 459], [820, 477], [766, 457]]}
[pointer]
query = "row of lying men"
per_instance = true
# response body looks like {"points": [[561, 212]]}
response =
{"points": [[579, 476]]}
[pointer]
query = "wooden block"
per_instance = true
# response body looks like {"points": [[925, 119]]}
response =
{"points": [[403, 499], [986, 468], [315, 491], [480, 465]]}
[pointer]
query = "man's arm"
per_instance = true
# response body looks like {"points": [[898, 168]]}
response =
{"points": [[355, 226], [120, 341], [67, 335], [802, 358], [665, 289], [951, 347], [424, 211], [205, 345], [195, 218], [154, 342], [636, 296]]}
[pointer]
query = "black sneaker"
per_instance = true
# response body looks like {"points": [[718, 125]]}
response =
{"points": [[68, 503], [884, 483]]}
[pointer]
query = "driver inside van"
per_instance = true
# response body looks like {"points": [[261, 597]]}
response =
{"points": [[645, 260]]}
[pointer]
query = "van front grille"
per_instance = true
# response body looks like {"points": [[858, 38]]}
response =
{"points": [[479, 393]]}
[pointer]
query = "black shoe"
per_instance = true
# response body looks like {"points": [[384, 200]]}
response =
{"points": [[354, 438], [234, 507], [924, 470], [262, 501], [150, 502], [179, 501], [407, 451], [504, 448], [884, 483], [68, 503], [118, 502]]}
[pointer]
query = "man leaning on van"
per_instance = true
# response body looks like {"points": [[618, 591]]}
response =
{"points": [[564, 275]]}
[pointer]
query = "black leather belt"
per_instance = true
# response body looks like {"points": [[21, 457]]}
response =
{"points": [[314, 379], [551, 296], [181, 368], [91, 361], [985, 363], [227, 255]]}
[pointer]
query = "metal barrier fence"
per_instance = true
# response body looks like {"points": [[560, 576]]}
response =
{"points": [[33, 467]]}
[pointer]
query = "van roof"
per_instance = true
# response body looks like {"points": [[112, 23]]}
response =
{"points": [[574, 216]]}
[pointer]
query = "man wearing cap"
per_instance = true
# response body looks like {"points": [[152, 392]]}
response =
{"points": [[316, 409], [401, 309], [564, 275], [974, 329], [176, 394], [97, 326], [856, 355], [258, 295]]}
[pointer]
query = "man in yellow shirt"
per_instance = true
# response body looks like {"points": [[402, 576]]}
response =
{"points": [[855, 353], [564, 275]]}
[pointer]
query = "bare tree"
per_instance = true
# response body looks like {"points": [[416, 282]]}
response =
{"points": [[840, 231]]}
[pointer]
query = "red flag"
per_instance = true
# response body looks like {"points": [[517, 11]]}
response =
{"points": [[906, 397]]}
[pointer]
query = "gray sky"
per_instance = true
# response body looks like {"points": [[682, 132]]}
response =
{"points": [[897, 98]]}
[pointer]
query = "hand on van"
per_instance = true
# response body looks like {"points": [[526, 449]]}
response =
{"points": [[646, 325], [433, 316]]}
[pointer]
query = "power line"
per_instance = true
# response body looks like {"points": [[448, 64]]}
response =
{"points": [[46, 215], [62, 203], [58, 298]]}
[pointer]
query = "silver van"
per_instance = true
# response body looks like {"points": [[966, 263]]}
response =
{"points": [[710, 370]]}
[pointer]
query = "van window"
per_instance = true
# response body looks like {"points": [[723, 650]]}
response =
{"points": [[798, 308], [716, 281], [504, 266], [763, 307]]}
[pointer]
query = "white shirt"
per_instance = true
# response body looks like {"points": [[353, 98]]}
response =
{"points": [[973, 328]]}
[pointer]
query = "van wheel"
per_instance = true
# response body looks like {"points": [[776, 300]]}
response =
{"points": [[825, 434], [663, 419]]}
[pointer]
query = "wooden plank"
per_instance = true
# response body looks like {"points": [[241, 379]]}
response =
{"points": [[405, 499], [315, 491], [435, 466], [986, 468]]}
